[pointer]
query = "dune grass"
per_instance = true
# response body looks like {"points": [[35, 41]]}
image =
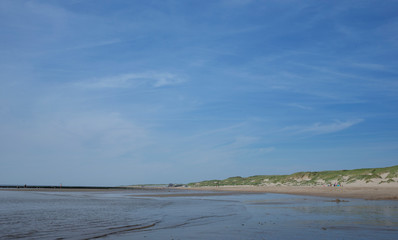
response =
{"points": [[309, 178]]}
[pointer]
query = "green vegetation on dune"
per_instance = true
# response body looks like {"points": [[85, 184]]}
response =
{"points": [[311, 178]]}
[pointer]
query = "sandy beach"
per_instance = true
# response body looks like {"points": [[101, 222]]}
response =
{"points": [[190, 214], [363, 192], [370, 192]]}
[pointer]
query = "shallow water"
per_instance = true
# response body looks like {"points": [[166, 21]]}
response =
{"points": [[125, 215]]}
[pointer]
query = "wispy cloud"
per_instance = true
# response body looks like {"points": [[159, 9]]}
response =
{"points": [[155, 96], [266, 149], [154, 79], [95, 44], [218, 131], [243, 141], [372, 66], [321, 128], [77, 135], [300, 106]]}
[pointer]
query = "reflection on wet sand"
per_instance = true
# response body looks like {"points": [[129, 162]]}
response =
{"points": [[177, 214]]}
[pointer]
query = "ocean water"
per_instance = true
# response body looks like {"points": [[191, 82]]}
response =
{"points": [[126, 215]]}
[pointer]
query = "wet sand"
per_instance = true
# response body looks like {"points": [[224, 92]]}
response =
{"points": [[94, 214], [62, 189], [81, 189], [369, 193], [139, 192], [195, 194], [364, 192]]}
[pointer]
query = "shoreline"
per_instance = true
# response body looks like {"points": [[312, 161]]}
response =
{"points": [[363, 192], [79, 189], [359, 192]]}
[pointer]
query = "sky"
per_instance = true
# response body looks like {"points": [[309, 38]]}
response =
{"points": [[130, 92]]}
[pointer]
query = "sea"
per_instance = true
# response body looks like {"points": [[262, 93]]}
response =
{"points": [[139, 214]]}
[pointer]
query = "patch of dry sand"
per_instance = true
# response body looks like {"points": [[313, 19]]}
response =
{"points": [[364, 192]]}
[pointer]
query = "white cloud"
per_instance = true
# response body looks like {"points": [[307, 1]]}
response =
{"points": [[95, 44], [164, 79], [75, 137], [319, 128], [129, 80], [296, 105], [372, 66], [242, 142], [106, 132], [267, 149]]}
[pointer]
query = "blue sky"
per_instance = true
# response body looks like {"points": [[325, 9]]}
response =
{"points": [[129, 92]]}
